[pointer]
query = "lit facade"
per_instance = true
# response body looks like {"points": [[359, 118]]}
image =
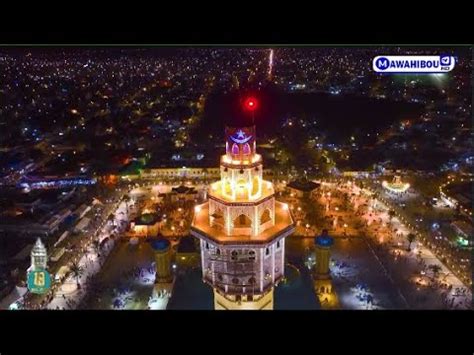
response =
{"points": [[242, 229], [396, 186], [39, 256], [146, 225]]}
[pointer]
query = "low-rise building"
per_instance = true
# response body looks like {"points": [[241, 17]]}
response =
{"points": [[302, 188], [187, 253], [465, 233], [146, 225]]}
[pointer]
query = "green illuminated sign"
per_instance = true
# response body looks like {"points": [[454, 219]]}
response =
{"points": [[39, 281], [463, 242]]}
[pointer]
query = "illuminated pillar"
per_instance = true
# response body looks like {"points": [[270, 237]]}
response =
{"points": [[322, 252], [322, 279], [162, 251], [243, 302]]}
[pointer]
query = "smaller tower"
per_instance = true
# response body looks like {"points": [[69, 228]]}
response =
{"points": [[39, 256], [164, 277], [322, 279], [323, 245], [38, 279], [162, 251]]}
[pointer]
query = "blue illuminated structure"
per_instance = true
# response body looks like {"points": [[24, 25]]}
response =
{"points": [[324, 240], [322, 253], [160, 244]]}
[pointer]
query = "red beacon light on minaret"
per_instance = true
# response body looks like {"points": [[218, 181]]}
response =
{"points": [[251, 104]]}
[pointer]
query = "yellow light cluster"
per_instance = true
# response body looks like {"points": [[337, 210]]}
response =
{"points": [[402, 187], [255, 158]]}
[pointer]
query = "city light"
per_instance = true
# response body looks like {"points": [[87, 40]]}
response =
{"points": [[139, 171]]}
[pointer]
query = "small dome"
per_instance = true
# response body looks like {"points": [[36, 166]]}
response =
{"points": [[160, 244], [324, 240]]}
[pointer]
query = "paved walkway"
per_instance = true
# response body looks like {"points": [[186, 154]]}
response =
{"points": [[445, 289], [68, 295]]}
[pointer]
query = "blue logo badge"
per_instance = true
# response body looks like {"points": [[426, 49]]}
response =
{"points": [[445, 59], [382, 63]]}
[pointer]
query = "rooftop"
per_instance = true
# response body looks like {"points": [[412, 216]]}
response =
{"points": [[147, 219], [461, 191], [187, 245], [303, 185], [183, 189], [284, 225]]}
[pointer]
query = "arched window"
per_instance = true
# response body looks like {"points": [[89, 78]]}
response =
{"points": [[235, 149], [265, 216], [246, 149], [242, 221], [252, 255]]}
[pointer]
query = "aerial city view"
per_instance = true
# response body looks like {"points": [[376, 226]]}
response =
{"points": [[234, 178]]}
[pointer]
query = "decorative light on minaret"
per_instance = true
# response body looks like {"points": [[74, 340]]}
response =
{"points": [[251, 104], [242, 229]]}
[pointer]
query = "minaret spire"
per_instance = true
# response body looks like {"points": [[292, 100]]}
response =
{"points": [[242, 228]]}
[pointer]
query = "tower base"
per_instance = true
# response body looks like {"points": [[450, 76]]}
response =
{"points": [[321, 276], [232, 302], [326, 293], [163, 287]]}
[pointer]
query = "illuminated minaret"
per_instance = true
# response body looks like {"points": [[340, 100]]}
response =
{"points": [[39, 256], [323, 244], [242, 229], [164, 279], [321, 276], [162, 251]]}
